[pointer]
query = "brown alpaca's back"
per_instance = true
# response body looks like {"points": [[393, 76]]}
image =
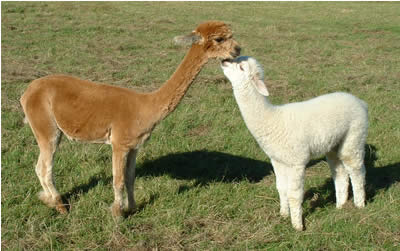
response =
{"points": [[81, 109]]}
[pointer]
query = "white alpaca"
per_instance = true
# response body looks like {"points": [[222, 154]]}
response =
{"points": [[334, 124]]}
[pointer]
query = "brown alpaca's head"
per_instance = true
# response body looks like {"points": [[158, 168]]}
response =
{"points": [[216, 39]]}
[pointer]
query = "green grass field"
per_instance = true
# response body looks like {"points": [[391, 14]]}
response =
{"points": [[202, 181]]}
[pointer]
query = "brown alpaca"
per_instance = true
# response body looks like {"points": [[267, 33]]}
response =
{"points": [[101, 113]]}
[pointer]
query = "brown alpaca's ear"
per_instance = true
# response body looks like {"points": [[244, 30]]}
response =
{"points": [[188, 39]]}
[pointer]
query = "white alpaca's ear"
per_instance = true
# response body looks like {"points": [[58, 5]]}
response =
{"points": [[260, 86]]}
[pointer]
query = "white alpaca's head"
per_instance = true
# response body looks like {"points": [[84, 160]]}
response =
{"points": [[245, 71]]}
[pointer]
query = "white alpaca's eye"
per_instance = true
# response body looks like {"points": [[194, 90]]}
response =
{"points": [[241, 68]]}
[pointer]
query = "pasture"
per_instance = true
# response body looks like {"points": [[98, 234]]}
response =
{"points": [[202, 182]]}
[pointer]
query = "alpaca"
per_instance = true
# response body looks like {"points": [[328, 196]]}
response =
{"points": [[102, 113], [333, 124]]}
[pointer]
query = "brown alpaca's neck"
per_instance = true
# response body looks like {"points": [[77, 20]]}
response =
{"points": [[171, 92]]}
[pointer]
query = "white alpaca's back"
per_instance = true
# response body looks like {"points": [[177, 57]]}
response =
{"points": [[318, 125]]}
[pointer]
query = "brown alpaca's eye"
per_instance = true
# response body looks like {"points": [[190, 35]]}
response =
{"points": [[219, 39]]}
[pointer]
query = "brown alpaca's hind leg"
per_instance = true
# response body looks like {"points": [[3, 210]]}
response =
{"points": [[48, 137], [44, 170]]}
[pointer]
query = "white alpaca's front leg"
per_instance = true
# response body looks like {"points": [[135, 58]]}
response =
{"points": [[281, 185], [295, 195]]}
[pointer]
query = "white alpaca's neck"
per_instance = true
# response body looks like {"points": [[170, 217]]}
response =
{"points": [[255, 108]]}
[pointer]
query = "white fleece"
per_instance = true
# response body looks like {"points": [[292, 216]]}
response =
{"points": [[333, 124]]}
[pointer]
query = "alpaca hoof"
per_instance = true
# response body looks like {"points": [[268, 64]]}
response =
{"points": [[130, 207], [298, 227], [59, 205], [284, 214], [56, 203], [116, 210], [340, 206], [46, 198], [61, 209], [360, 204], [131, 210]]}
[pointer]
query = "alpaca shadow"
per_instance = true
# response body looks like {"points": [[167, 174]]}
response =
{"points": [[93, 182], [319, 196], [202, 166], [205, 167], [142, 205], [84, 188], [377, 179]]}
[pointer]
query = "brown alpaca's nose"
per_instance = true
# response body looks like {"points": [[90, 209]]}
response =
{"points": [[236, 51]]}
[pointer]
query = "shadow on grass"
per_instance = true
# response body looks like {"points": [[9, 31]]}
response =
{"points": [[84, 188], [202, 166], [377, 179], [206, 167]]}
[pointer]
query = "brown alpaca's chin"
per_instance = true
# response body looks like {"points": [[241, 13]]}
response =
{"points": [[232, 57]]}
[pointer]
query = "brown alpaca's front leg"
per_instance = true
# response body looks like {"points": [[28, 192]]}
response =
{"points": [[130, 180], [119, 160]]}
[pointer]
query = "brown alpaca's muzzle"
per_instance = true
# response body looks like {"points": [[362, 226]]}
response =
{"points": [[236, 51]]}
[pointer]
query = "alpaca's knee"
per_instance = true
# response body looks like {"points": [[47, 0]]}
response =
{"points": [[283, 198]]}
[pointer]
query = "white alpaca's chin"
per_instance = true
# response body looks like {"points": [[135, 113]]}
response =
{"points": [[226, 61]]}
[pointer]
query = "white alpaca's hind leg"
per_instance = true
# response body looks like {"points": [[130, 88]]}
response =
{"points": [[356, 170], [351, 153], [340, 178]]}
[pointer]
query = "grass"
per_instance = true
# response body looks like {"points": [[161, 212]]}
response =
{"points": [[202, 181]]}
